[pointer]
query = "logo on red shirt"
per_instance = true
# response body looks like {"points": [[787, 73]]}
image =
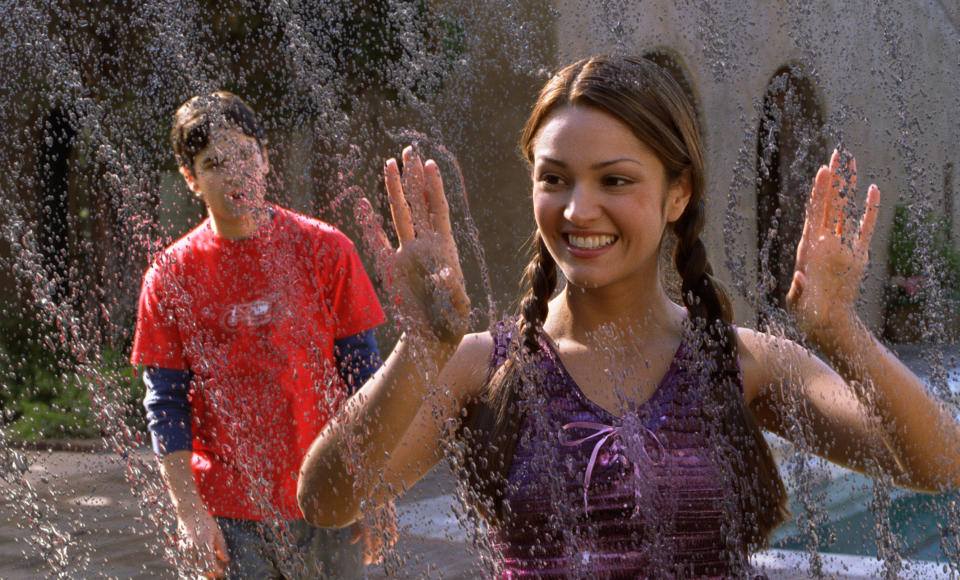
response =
{"points": [[256, 313]]}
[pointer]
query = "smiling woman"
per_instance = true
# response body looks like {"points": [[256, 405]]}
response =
{"points": [[608, 431]]}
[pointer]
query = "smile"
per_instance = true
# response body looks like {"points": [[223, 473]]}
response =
{"points": [[592, 242]]}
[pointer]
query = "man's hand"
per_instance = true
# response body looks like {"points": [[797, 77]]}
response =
{"points": [[202, 543], [378, 531], [199, 537]]}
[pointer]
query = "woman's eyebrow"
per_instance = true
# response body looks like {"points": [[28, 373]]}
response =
{"points": [[603, 164], [552, 161], [595, 166]]}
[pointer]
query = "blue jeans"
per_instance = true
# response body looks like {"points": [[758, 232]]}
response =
{"points": [[289, 549]]}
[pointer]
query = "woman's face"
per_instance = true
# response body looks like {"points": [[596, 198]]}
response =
{"points": [[601, 198]]}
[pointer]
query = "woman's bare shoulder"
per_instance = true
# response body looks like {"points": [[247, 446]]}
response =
{"points": [[761, 355], [466, 372]]}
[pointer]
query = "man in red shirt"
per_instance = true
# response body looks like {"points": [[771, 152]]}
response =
{"points": [[252, 328]]}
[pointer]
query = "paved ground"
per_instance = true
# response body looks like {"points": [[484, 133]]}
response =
{"points": [[92, 525], [84, 500]]}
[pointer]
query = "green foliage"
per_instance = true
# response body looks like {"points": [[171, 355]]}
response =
{"points": [[46, 394], [912, 247]]}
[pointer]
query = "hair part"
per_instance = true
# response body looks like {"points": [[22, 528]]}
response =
{"points": [[196, 119], [649, 101]]}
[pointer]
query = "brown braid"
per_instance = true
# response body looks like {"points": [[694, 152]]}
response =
{"points": [[490, 427], [760, 491], [541, 275]]}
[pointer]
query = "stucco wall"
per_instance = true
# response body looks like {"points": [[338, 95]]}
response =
{"points": [[887, 77]]}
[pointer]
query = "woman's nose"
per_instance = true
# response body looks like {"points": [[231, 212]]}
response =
{"points": [[581, 206]]}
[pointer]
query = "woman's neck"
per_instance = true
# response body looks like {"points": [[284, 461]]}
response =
{"points": [[579, 314]]}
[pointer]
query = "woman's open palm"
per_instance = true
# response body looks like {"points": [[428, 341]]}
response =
{"points": [[424, 270], [833, 250]]}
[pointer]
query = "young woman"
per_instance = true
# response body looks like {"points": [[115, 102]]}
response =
{"points": [[609, 431]]}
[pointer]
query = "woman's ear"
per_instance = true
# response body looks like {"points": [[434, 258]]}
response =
{"points": [[678, 196]]}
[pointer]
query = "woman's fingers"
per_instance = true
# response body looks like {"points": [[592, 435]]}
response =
{"points": [[796, 287], [820, 219], [437, 199], [835, 187], [869, 220], [833, 217], [398, 203], [414, 188], [846, 220]]}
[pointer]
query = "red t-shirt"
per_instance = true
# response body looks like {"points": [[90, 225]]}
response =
{"points": [[254, 320]]}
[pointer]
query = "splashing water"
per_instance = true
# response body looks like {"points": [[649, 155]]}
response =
{"points": [[91, 194]]}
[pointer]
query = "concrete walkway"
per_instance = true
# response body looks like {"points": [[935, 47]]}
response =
{"points": [[84, 498], [84, 503]]}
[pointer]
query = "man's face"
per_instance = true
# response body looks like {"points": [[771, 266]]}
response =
{"points": [[229, 174]]}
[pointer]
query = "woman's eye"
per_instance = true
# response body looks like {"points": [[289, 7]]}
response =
{"points": [[616, 181], [550, 179]]}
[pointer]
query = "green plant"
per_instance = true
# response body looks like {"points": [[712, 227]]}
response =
{"points": [[912, 247], [47, 394]]}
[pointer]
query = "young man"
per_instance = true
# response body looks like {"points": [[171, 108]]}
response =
{"points": [[252, 329]]}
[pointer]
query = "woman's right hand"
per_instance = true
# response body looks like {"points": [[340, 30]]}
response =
{"points": [[424, 271]]}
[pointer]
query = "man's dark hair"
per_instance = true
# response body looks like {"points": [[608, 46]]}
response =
{"points": [[195, 119]]}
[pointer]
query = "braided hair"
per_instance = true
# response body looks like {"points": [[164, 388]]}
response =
{"points": [[647, 100]]}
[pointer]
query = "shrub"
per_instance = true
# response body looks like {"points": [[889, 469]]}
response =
{"points": [[909, 252], [47, 394]]}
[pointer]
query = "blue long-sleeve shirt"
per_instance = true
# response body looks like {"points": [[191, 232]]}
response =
{"points": [[168, 405]]}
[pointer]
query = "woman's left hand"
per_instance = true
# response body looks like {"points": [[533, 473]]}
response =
{"points": [[833, 250]]}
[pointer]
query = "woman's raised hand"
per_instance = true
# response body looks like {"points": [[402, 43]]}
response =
{"points": [[424, 270], [833, 250]]}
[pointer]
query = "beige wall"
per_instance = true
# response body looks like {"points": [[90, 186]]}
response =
{"points": [[731, 53]]}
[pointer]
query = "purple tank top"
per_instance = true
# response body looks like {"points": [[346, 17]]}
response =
{"points": [[593, 495]]}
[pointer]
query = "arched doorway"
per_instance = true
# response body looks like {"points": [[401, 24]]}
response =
{"points": [[790, 149], [53, 220]]}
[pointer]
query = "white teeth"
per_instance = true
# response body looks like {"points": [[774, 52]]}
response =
{"points": [[590, 242]]}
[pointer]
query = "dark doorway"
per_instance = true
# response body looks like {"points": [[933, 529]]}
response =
{"points": [[790, 149], [671, 64], [53, 231]]}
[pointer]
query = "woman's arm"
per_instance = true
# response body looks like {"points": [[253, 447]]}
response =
{"points": [[873, 411], [350, 461], [389, 434]]}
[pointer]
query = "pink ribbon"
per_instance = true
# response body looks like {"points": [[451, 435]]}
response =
{"points": [[603, 433]]}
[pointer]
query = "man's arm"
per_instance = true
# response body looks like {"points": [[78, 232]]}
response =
{"points": [[168, 415], [358, 357]]}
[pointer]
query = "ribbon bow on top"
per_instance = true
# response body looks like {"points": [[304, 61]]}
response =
{"points": [[603, 433]]}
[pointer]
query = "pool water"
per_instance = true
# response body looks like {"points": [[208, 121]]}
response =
{"points": [[919, 525]]}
